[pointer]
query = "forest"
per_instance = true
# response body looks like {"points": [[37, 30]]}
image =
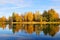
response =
{"points": [[47, 16]]}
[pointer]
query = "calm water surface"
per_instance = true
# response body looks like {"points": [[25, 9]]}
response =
{"points": [[29, 32]]}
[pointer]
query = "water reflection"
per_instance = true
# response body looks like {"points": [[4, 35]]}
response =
{"points": [[48, 29], [3, 25]]}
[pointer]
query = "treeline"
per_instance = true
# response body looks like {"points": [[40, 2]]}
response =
{"points": [[47, 16]]}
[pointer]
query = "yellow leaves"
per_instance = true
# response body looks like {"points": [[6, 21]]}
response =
{"points": [[25, 17], [3, 19], [53, 13], [56, 15], [36, 15], [17, 17], [30, 16]]}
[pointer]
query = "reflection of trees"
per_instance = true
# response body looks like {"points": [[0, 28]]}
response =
{"points": [[29, 28], [3, 25], [50, 29], [10, 26], [38, 28], [16, 27], [33, 28]]}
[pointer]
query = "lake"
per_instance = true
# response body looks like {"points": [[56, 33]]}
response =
{"points": [[29, 32]]}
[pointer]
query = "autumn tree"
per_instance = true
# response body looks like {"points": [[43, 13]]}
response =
{"points": [[3, 19], [53, 15], [10, 19], [13, 16], [30, 16], [16, 17], [46, 16], [37, 16], [25, 17]]}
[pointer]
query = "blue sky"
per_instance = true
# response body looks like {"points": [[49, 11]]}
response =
{"points": [[7, 7]]}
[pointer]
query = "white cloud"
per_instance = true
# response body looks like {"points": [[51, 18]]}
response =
{"points": [[56, 0], [10, 1], [18, 3]]}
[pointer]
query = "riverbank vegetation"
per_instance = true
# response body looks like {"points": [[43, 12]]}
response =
{"points": [[47, 16]]}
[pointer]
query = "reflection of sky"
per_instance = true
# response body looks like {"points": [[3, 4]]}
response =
{"points": [[21, 6]]}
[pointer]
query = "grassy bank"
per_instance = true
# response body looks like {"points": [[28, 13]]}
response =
{"points": [[29, 22], [35, 22]]}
